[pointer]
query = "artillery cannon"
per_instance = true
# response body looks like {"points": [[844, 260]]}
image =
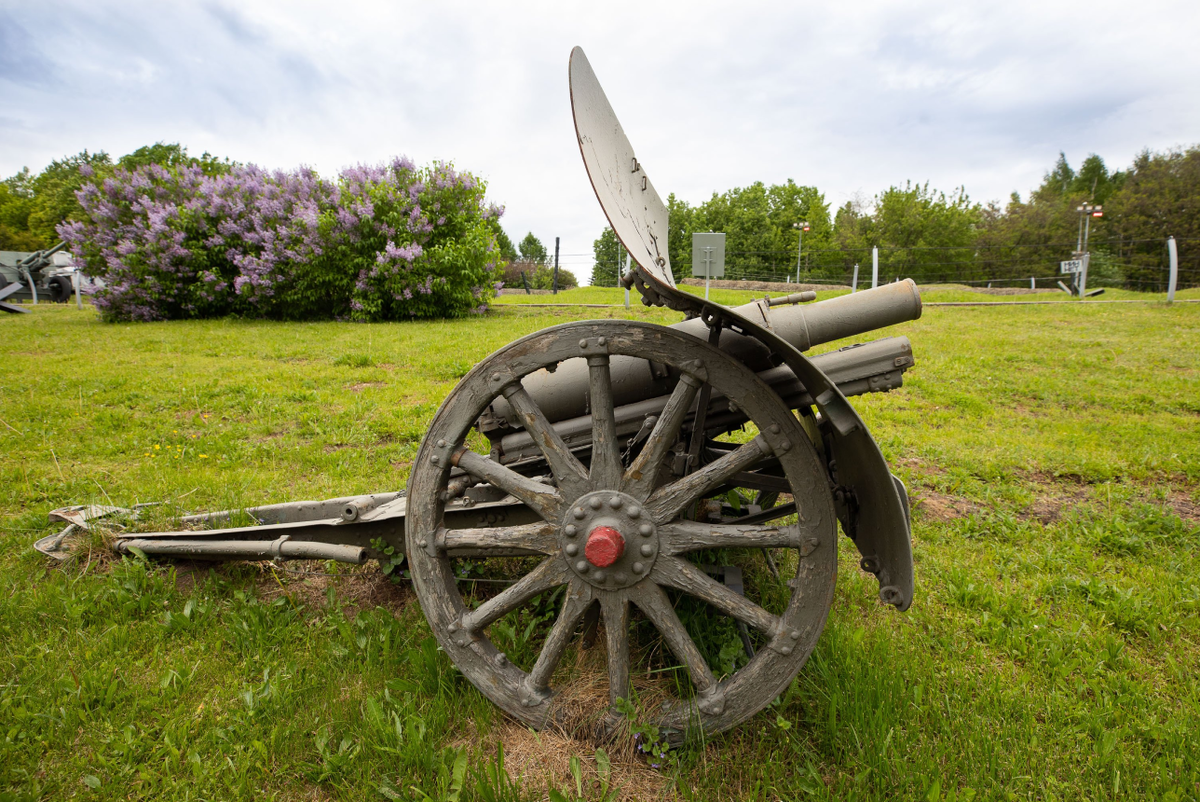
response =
{"points": [[606, 461], [23, 275]]}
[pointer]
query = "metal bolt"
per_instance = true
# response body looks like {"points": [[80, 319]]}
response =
{"points": [[435, 459], [583, 343], [786, 650], [571, 549], [634, 512], [569, 530], [441, 443], [794, 634], [595, 503], [619, 578], [422, 543], [784, 445], [579, 513], [615, 502], [645, 530], [774, 428], [647, 549], [495, 377], [582, 566], [453, 626], [638, 568], [601, 341], [599, 576]]}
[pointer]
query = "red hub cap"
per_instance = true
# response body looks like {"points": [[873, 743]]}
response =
{"points": [[604, 546]]}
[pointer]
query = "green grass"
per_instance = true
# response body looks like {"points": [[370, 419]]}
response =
{"points": [[947, 293], [1051, 652]]}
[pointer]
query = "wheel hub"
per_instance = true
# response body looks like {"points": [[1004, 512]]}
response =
{"points": [[608, 539]]}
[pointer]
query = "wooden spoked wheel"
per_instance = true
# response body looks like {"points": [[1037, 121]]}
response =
{"points": [[616, 529]]}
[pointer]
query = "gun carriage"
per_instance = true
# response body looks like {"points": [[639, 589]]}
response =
{"points": [[23, 276], [610, 458]]}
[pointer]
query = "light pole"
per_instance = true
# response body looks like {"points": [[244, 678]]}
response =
{"points": [[1086, 212], [801, 228]]}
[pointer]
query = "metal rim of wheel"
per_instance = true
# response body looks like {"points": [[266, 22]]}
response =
{"points": [[610, 535]]}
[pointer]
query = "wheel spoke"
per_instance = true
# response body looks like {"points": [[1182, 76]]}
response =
{"points": [[657, 607], [549, 574], [539, 537], [639, 479], [615, 609], [681, 537], [606, 458], [545, 500], [579, 596], [568, 471], [680, 574], [668, 501]]}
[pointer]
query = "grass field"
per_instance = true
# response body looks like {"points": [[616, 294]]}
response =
{"points": [[1053, 453]]}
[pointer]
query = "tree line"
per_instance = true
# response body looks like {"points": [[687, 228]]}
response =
{"points": [[934, 236]]}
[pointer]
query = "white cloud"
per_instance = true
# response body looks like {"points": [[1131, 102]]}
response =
{"points": [[850, 98]]}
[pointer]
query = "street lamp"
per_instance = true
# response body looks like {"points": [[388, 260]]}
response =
{"points": [[801, 228], [1086, 212]]}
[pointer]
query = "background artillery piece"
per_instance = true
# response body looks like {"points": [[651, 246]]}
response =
{"points": [[46, 274], [605, 461]]}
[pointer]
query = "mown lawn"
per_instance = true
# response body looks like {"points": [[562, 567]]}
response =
{"points": [[1053, 453]]}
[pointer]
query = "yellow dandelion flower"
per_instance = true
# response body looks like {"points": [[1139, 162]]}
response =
{"points": [[203, 456], [157, 446]]}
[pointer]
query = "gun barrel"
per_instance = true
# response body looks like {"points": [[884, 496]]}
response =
{"points": [[563, 393], [877, 366]]}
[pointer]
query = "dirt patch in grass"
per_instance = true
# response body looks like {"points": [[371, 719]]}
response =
{"points": [[540, 760], [362, 588], [941, 507], [358, 388], [1184, 505]]}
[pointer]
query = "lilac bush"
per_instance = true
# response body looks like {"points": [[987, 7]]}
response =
{"points": [[383, 242]]}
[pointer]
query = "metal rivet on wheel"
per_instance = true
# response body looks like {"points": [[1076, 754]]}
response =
{"points": [[582, 566], [774, 428], [647, 549], [619, 578], [784, 445], [615, 502], [794, 634], [638, 568], [435, 459], [579, 513], [571, 549], [634, 512], [422, 543], [786, 650], [441, 443], [645, 530], [601, 341], [583, 343], [570, 530], [599, 575], [495, 377], [595, 503], [453, 626]]}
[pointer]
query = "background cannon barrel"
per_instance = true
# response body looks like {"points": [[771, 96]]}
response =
{"points": [[563, 393]]}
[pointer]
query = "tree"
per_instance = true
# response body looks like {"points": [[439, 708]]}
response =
{"points": [[532, 250], [1159, 197], [507, 252], [610, 259]]}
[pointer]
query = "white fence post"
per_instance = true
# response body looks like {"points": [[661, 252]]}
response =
{"points": [[874, 266], [1172, 277]]}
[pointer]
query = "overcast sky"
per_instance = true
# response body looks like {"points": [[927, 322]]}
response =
{"points": [[851, 97]]}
